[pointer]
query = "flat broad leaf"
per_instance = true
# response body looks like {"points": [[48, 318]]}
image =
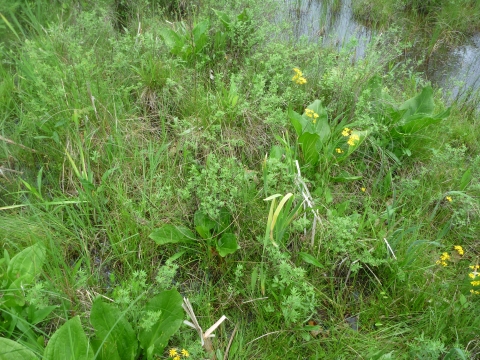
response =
{"points": [[415, 123], [227, 244], [168, 307], [298, 122], [466, 178], [113, 330], [310, 144], [11, 350], [320, 126], [310, 259], [420, 104], [170, 234], [224, 18], [26, 264], [203, 224], [69, 343]]}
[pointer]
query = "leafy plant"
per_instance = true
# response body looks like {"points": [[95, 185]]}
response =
{"points": [[214, 232], [18, 274], [404, 121], [317, 138]]}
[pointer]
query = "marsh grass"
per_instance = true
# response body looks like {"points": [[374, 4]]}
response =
{"points": [[111, 135]]}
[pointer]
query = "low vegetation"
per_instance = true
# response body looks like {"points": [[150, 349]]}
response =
{"points": [[174, 170]]}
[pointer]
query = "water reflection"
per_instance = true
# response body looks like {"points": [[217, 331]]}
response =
{"points": [[331, 22]]}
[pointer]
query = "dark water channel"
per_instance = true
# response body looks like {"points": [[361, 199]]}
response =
{"points": [[455, 70]]}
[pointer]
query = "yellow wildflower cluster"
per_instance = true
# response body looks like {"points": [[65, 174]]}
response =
{"points": [[443, 259], [311, 114], [475, 276], [363, 189], [448, 198], [459, 250], [298, 77], [173, 353], [352, 138], [339, 151]]}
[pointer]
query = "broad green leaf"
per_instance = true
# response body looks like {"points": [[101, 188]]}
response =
{"points": [[310, 144], [171, 234], [320, 126], [113, 330], [227, 244], [243, 16], [200, 35], [420, 104], [224, 18], [38, 315], [11, 350], [69, 343], [466, 178], [224, 220], [203, 224], [344, 176], [168, 306], [310, 259], [26, 264], [298, 121], [276, 152], [415, 123], [173, 40]]}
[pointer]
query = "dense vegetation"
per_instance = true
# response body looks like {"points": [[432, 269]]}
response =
{"points": [[159, 150]]}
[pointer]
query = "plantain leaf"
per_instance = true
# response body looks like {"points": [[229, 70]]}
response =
{"points": [[310, 260], [22, 270], [170, 234], [310, 143], [113, 332], [69, 343], [227, 244], [26, 264], [11, 350], [167, 308]]}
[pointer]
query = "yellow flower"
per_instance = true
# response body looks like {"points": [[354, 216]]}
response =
{"points": [[185, 353], [353, 139], [172, 352], [363, 189], [311, 114], [448, 198], [475, 283], [459, 249], [472, 275], [346, 132], [298, 77], [474, 267], [475, 292], [443, 259], [338, 150], [176, 357]]}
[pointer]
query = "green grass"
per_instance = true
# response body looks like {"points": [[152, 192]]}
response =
{"points": [[108, 133]]}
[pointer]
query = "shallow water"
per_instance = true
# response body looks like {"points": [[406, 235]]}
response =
{"points": [[456, 70]]}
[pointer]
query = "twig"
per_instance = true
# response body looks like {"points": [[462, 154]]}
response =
{"points": [[389, 248], [262, 298], [14, 143], [308, 200], [270, 333], [225, 357]]}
